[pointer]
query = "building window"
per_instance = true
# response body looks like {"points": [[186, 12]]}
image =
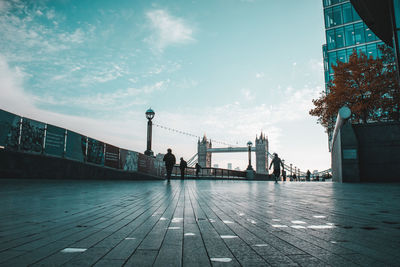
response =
{"points": [[337, 16], [328, 18], [349, 33], [372, 51], [359, 33], [349, 52], [332, 61], [330, 39], [347, 13], [369, 35], [362, 49], [341, 55], [339, 37]]}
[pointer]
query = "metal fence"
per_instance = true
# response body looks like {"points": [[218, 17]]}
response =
{"points": [[190, 172]]}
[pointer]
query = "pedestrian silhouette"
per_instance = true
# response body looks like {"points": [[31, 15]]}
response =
{"points": [[182, 166], [198, 168], [277, 162], [308, 175], [170, 161]]}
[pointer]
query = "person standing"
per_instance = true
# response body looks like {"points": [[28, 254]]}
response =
{"points": [[198, 168], [170, 161], [277, 162], [182, 166]]}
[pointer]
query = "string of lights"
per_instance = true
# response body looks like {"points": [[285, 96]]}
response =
{"points": [[192, 135]]}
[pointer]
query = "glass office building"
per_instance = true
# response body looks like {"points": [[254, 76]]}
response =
{"points": [[345, 31]]}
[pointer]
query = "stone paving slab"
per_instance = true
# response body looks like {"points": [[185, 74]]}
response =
{"points": [[198, 223]]}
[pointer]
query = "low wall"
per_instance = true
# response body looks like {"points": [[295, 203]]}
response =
{"points": [[27, 166], [367, 153], [379, 151]]}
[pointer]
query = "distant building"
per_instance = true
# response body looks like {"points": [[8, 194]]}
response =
{"points": [[215, 165], [237, 169], [229, 166]]}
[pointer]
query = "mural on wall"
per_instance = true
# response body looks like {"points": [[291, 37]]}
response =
{"points": [[9, 130], [54, 141], [76, 146], [32, 136], [95, 151], [111, 156], [128, 160]]}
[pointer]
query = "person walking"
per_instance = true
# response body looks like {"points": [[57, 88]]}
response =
{"points": [[170, 161], [308, 175], [182, 166], [198, 168], [277, 162]]}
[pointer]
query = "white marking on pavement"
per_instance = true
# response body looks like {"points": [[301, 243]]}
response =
{"points": [[298, 222], [276, 220], [175, 220], [227, 222], [319, 216], [130, 238], [321, 226], [261, 245], [163, 219], [221, 259], [73, 250], [190, 234], [173, 228], [279, 225], [228, 236], [298, 226]]}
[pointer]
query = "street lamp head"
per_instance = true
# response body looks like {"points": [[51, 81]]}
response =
{"points": [[249, 143], [150, 114]]}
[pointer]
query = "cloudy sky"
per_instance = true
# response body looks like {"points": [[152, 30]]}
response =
{"points": [[225, 68]]}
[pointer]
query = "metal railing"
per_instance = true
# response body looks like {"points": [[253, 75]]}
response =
{"points": [[190, 172]]}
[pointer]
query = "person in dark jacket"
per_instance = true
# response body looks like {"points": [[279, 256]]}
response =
{"points": [[277, 162], [182, 166], [308, 175], [198, 168], [170, 161]]}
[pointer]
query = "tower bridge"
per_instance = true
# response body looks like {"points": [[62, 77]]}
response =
{"points": [[205, 150]]}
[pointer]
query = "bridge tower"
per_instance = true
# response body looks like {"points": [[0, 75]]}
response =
{"points": [[204, 157], [261, 154]]}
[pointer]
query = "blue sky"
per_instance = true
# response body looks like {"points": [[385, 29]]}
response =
{"points": [[226, 68]]}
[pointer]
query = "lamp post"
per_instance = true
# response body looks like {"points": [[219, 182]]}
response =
{"points": [[149, 115], [249, 144]]}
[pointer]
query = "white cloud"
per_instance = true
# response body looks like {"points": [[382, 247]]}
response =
{"points": [[169, 30], [260, 75], [247, 94]]}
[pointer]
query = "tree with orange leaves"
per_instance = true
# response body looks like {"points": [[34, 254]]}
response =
{"points": [[367, 86]]}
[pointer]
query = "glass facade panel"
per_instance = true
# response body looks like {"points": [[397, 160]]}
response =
{"points": [[333, 2], [369, 35], [372, 51], [341, 55], [349, 51], [396, 5], [339, 34], [349, 33], [330, 39], [332, 60], [337, 16], [328, 18], [355, 15], [347, 13], [361, 49], [359, 33]]}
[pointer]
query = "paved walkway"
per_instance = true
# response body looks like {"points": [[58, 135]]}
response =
{"points": [[198, 223]]}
